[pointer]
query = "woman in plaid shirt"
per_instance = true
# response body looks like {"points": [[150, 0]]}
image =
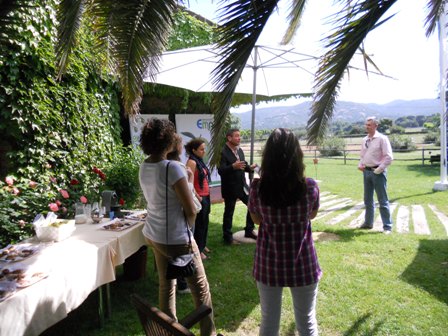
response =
{"points": [[283, 202]]}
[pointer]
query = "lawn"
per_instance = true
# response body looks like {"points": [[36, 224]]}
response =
{"points": [[372, 285]]}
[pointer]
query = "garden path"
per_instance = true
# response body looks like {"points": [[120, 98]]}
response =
{"points": [[405, 217]]}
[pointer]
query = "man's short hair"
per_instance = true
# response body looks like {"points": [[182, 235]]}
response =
{"points": [[374, 119], [231, 131]]}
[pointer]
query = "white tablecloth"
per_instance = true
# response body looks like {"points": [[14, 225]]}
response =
{"points": [[76, 266]]}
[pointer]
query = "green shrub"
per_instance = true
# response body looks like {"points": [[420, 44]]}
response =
{"points": [[431, 137], [122, 176], [402, 143], [332, 146]]}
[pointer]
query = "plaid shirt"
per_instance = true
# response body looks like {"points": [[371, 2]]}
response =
{"points": [[285, 255]]}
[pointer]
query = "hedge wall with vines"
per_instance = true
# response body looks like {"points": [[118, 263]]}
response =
{"points": [[51, 130]]}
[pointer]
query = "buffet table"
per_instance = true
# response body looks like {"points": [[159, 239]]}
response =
{"points": [[76, 267]]}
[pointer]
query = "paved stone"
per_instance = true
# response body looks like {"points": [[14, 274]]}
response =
{"points": [[347, 214], [344, 202], [326, 205], [378, 223], [419, 220], [326, 198], [403, 219], [441, 216]]}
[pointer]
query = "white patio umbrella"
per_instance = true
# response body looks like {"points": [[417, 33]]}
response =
{"points": [[270, 71]]}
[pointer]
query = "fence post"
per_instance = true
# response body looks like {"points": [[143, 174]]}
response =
{"points": [[345, 157], [423, 156]]}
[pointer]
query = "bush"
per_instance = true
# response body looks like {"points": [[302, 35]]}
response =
{"points": [[396, 130], [332, 146], [122, 176], [402, 143], [432, 137]]}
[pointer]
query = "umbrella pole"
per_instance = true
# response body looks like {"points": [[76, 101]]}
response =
{"points": [[443, 183], [254, 102]]}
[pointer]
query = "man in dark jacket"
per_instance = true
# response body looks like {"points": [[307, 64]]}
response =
{"points": [[232, 170]]}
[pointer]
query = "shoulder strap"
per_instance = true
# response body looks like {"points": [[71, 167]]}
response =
{"points": [[166, 200]]}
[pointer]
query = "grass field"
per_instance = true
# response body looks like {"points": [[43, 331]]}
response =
{"points": [[372, 285]]}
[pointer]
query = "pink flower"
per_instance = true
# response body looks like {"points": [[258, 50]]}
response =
{"points": [[58, 203], [64, 210], [53, 179], [15, 191], [53, 207], [64, 193], [83, 199], [33, 184], [21, 223], [9, 180]]}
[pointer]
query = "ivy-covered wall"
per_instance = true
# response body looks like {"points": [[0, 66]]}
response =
{"points": [[69, 124]]}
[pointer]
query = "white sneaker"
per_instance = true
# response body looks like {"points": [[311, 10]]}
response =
{"points": [[184, 291], [387, 232]]}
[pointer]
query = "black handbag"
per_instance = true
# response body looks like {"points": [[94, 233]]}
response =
{"points": [[183, 265]]}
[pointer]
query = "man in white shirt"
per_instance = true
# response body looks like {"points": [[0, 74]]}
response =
{"points": [[376, 156]]}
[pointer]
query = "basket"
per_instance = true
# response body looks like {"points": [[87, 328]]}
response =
{"points": [[55, 233]]}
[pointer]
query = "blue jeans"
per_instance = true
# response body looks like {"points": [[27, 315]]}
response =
{"points": [[304, 300], [376, 183]]}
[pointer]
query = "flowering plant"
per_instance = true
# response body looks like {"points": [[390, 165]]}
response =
{"points": [[83, 188]]}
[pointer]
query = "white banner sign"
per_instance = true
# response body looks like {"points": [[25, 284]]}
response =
{"points": [[136, 123], [191, 126]]}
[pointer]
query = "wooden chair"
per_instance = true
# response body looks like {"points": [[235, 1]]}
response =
{"points": [[157, 323]]}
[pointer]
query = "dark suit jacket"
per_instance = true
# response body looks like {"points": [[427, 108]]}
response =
{"points": [[232, 181]]}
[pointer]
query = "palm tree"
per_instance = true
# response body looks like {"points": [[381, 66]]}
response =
{"points": [[244, 21], [132, 30]]}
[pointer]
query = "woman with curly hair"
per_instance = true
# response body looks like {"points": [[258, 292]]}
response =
{"points": [[195, 149], [156, 141], [283, 202]]}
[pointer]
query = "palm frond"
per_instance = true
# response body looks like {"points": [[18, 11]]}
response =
{"points": [[69, 14], [138, 30], [294, 16], [435, 9], [353, 23], [243, 22]]}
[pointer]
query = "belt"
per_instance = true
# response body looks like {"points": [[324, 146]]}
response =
{"points": [[371, 168]]}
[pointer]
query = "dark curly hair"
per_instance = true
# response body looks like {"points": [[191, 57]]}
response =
{"points": [[157, 136], [282, 181], [193, 144]]}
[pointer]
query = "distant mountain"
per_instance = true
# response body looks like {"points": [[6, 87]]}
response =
{"points": [[297, 116]]}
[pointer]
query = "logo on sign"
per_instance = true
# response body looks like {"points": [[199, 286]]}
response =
{"points": [[205, 124]]}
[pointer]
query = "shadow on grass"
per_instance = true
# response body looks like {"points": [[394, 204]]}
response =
{"points": [[426, 170], [358, 329], [429, 269], [392, 200]]}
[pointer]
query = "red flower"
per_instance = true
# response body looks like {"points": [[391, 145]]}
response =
{"points": [[121, 202], [102, 175], [74, 182], [95, 170]]}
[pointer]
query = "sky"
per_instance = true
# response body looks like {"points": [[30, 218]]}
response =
{"points": [[399, 48]]}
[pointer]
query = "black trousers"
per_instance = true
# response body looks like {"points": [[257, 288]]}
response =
{"points": [[201, 224], [229, 209]]}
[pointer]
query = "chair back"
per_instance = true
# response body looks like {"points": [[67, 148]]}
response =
{"points": [[156, 322]]}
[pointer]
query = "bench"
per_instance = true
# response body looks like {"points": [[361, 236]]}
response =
{"points": [[434, 158]]}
